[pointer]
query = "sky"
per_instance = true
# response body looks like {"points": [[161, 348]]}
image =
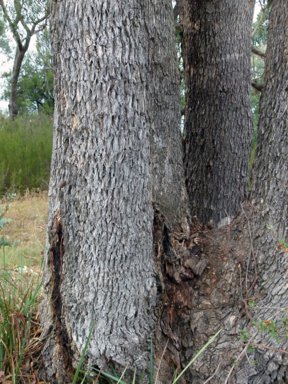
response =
{"points": [[7, 66]]}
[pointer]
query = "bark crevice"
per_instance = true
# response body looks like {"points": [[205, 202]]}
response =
{"points": [[64, 354]]}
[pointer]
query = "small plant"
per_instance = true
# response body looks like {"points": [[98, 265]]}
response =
{"points": [[244, 335], [271, 328]]}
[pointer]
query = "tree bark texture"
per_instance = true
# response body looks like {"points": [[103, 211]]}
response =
{"points": [[216, 49], [164, 108], [247, 352], [99, 261], [102, 261], [270, 196], [19, 56]]}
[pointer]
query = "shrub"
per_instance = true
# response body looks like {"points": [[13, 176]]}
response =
{"points": [[25, 153]]}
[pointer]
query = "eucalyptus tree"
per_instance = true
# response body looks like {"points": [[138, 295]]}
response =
{"points": [[24, 18], [116, 164], [116, 251]]}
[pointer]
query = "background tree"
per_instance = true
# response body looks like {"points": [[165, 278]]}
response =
{"points": [[25, 18], [218, 121], [35, 83], [4, 39], [259, 42]]}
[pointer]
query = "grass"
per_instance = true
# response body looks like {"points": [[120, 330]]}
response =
{"points": [[19, 326], [25, 153], [20, 289]]}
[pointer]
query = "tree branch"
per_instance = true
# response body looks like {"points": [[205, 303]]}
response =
{"points": [[258, 87], [12, 26], [259, 53], [263, 10]]}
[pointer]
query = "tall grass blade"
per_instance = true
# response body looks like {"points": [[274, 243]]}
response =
{"points": [[197, 355], [23, 347], [143, 375], [33, 298], [134, 377], [97, 378], [83, 354], [120, 380], [151, 363], [109, 376], [161, 361]]}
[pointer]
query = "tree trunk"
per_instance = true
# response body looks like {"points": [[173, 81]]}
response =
{"points": [[260, 352], [243, 289], [216, 48], [116, 89], [108, 257], [19, 56], [270, 196], [164, 107]]}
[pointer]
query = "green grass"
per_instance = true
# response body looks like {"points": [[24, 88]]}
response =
{"points": [[25, 153], [19, 323]]}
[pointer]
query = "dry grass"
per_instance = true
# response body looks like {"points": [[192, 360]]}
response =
{"points": [[28, 216], [20, 293]]}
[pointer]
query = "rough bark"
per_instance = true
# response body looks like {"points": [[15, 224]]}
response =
{"points": [[265, 284], [269, 191], [164, 108], [256, 289], [101, 261], [116, 89], [245, 276], [19, 56], [216, 49]]}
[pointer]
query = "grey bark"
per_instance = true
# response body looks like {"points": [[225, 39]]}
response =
{"points": [[244, 262], [164, 109], [19, 56], [269, 191], [265, 260], [117, 116], [216, 49], [101, 262]]}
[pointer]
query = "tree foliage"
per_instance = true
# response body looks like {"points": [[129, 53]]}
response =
{"points": [[35, 83], [5, 46], [24, 18]]}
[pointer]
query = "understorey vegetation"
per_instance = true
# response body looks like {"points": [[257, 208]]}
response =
{"points": [[25, 153]]}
